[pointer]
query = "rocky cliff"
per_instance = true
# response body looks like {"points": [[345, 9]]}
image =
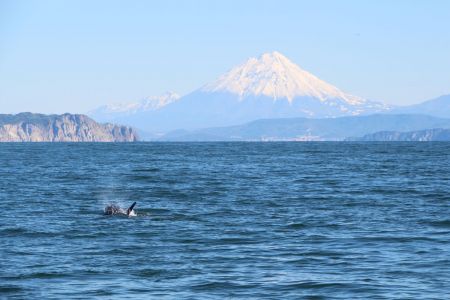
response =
{"points": [[29, 127]]}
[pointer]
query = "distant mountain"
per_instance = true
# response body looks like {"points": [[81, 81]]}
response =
{"points": [[426, 135], [116, 111], [29, 127], [439, 107], [270, 86], [305, 129]]}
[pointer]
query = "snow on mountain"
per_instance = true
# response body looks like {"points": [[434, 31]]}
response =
{"points": [[149, 103], [118, 110], [270, 86], [275, 76]]}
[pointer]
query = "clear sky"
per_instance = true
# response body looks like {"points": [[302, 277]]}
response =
{"points": [[72, 56]]}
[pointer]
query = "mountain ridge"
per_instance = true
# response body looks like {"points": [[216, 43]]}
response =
{"points": [[307, 129], [439, 107], [110, 112]]}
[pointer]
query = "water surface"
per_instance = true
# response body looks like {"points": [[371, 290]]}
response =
{"points": [[225, 220]]}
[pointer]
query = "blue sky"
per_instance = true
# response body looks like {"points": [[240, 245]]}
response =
{"points": [[72, 56]]}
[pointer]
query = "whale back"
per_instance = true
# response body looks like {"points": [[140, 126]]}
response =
{"points": [[113, 210]]}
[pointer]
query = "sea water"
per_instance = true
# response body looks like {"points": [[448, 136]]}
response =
{"points": [[225, 220]]}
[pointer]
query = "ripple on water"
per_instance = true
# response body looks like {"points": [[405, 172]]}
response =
{"points": [[225, 220]]}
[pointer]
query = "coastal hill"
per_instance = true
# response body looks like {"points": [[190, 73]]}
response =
{"points": [[427, 135], [305, 129], [30, 127]]}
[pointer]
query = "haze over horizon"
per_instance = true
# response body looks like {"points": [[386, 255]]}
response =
{"points": [[74, 56]]}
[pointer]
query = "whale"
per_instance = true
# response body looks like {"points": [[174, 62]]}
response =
{"points": [[114, 209]]}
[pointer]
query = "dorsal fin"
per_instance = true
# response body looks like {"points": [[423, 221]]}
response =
{"points": [[130, 208]]}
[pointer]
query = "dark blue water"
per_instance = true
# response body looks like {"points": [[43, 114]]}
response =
{"points": [[226, 220]]}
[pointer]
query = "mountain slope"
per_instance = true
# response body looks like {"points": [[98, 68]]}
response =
{"points": [[274, 76], [28, 127], [438, 107], [270, 86], [310, 129]]}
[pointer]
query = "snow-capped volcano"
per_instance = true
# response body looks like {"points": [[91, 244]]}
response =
{"points": [[275, 76], [270, 86]]}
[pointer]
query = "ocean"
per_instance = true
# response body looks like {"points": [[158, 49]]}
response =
{"points": [[314, 220]]}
